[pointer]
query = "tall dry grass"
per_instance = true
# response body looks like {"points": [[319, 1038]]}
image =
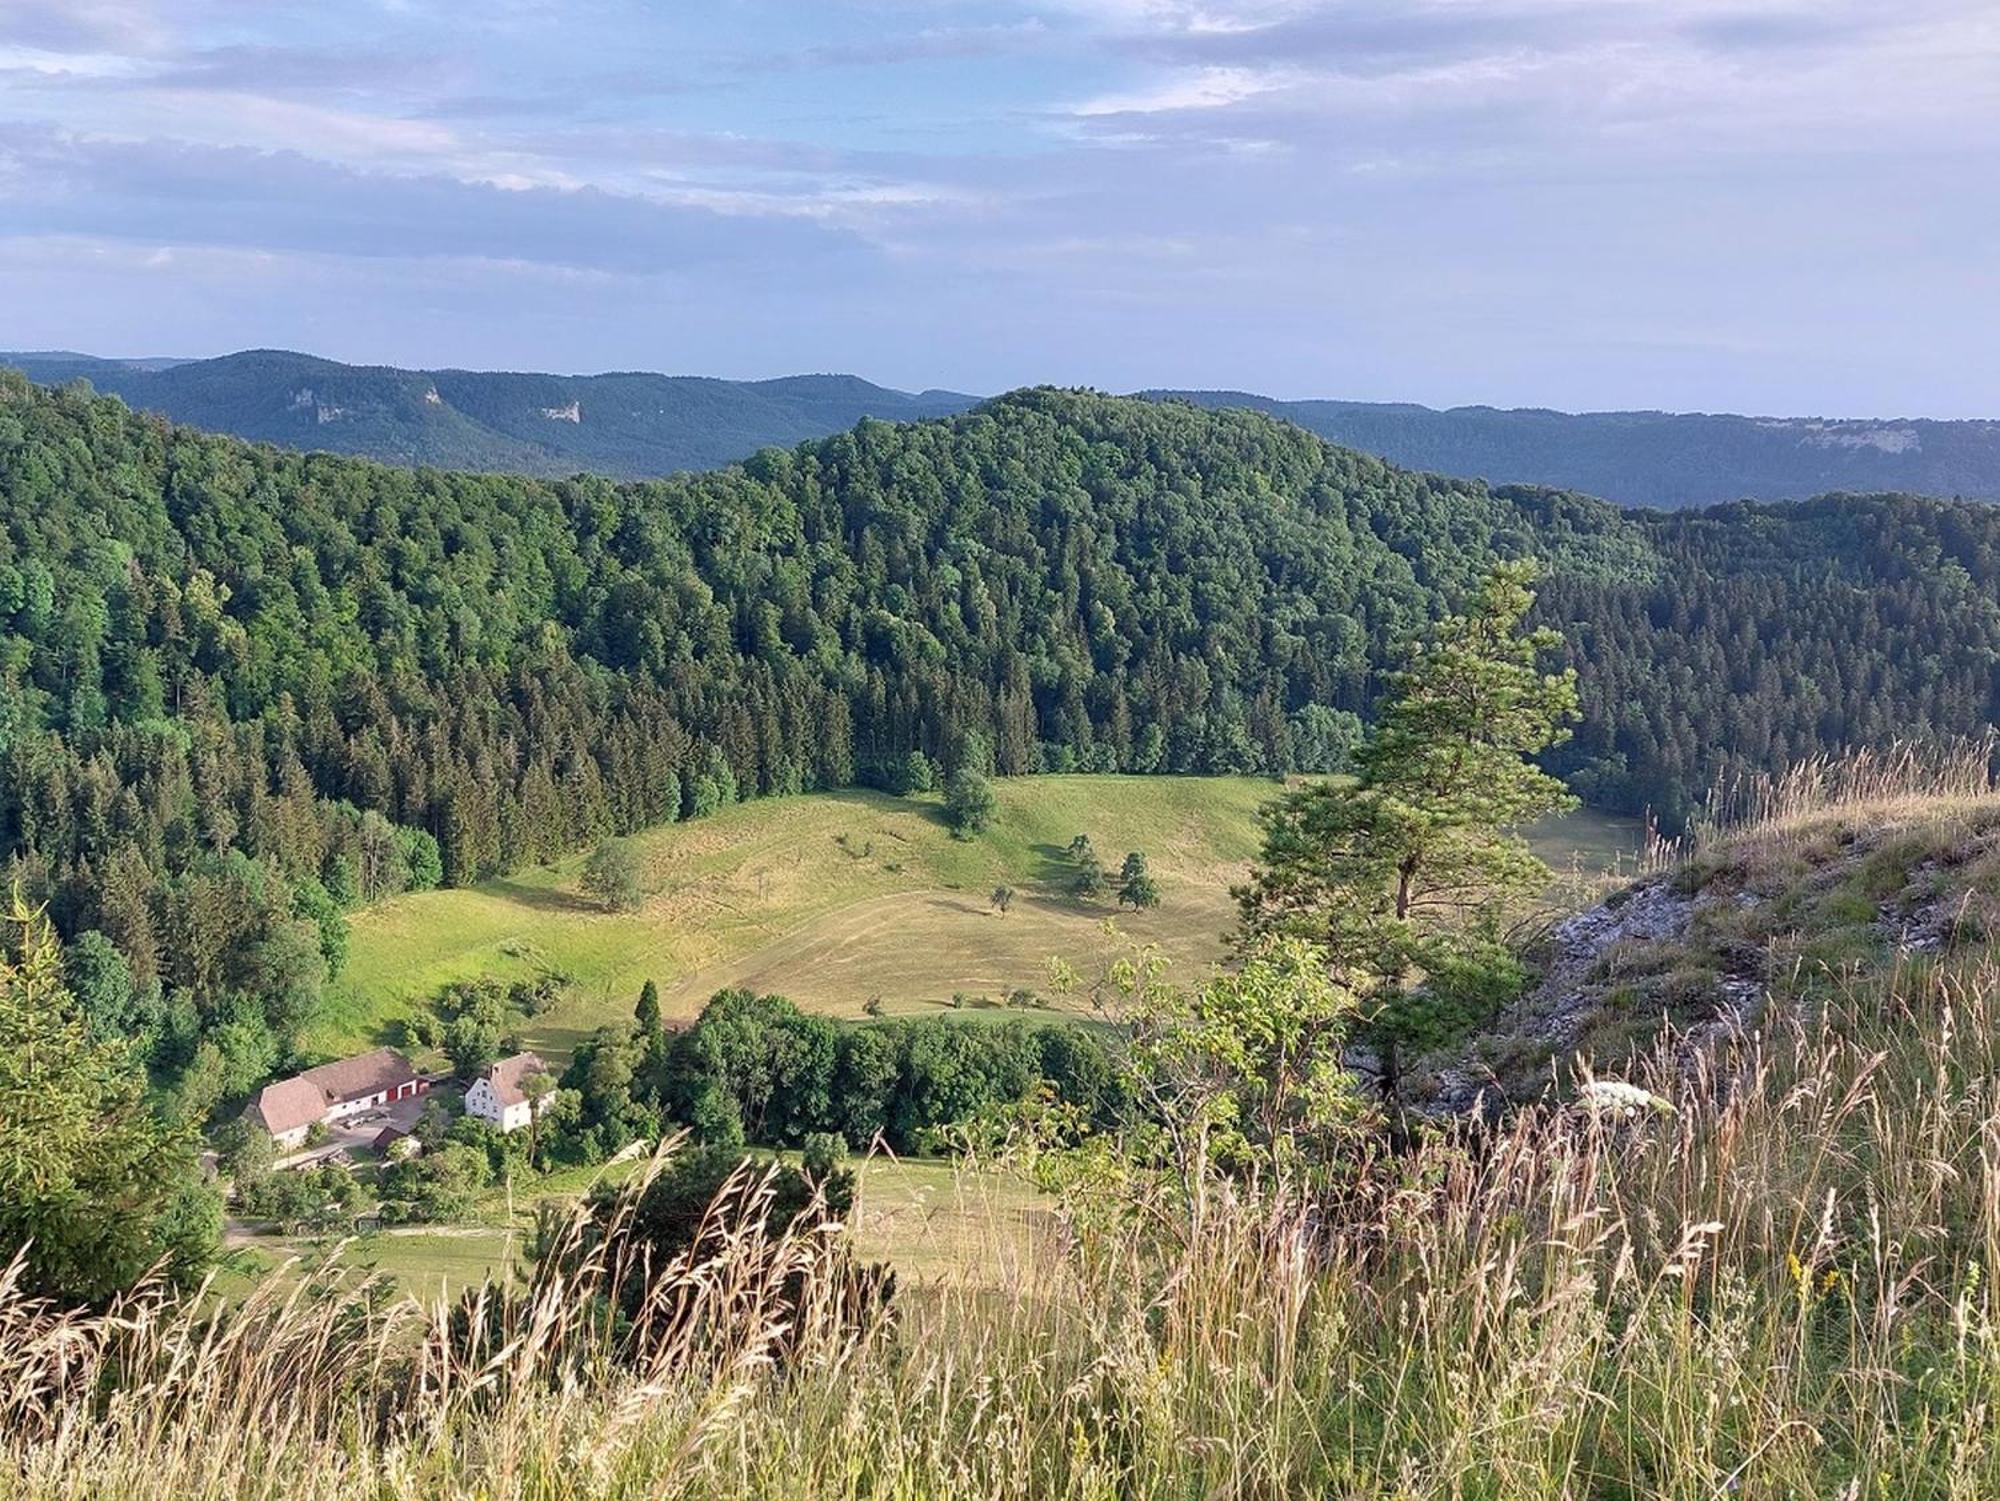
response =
{"points": [[1782, 1288], [1907, 775]]}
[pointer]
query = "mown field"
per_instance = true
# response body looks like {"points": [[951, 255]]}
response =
{"points": [[934, 1220], [838, 898]]}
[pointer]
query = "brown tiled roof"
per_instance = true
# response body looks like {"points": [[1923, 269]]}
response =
{"points": [[355, 1078], [303, 1099], [506, 1076], [289, 1104]]}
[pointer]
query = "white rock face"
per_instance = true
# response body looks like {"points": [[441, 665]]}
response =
{"points": [[571, 413], [1861, 435]]}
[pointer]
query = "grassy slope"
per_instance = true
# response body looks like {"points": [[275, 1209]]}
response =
{"points": [[1782, 1287], [834, 898]]}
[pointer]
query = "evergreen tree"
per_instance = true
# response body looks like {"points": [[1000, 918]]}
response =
{"points": [[94, 1185], [1405, 881], [1086, 874], [1136, 887], [916, 774]]}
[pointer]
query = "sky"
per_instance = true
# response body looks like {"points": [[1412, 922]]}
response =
{"points": [[1788, 207]]}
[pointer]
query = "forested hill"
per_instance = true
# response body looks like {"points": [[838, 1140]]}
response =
{"points": [[638, 425], [242, 688], [1661, 459], [628, 426]]}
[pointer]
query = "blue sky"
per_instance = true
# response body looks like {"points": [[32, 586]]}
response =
{"points": [[1779, 206]]}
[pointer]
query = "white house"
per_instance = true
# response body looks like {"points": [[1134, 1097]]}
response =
{"points": [[497, 1096], [333, 1092]]}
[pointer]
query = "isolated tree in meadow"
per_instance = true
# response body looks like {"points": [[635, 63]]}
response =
{"points": [[647, 1013], [1136, 887], [1003, 898], [1406, 881], [968, 803], [1087, 878], [613, 875]]}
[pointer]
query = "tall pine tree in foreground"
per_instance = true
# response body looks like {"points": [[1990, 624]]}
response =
{"points": [[96, 1189], [1406, 879]]}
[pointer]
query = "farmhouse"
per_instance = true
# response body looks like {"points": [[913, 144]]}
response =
{"points": [[289, 1108], [497, 1096]]}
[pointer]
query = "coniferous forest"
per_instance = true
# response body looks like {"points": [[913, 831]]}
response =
{"points": [[243, 690]]}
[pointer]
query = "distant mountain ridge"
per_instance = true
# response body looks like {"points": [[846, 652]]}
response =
{"points": [[636, 425], [630, 425], [1663, 459]]}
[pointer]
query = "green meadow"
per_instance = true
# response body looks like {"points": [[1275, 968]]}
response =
{"points": [[839, 899]]}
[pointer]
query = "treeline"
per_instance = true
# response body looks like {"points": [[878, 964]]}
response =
{"points": [[755, 1069], [243, 689]]}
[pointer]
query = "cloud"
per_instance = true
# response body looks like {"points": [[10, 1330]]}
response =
{"points": [[932, 44], [1450, 199], [154, 193], [268, 68], [83, 26], [1196, 89]]}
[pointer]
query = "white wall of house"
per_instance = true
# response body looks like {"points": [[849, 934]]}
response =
{"points": [[483, 1100], [346, 1108]]}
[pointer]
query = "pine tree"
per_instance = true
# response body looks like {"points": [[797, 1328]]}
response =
{"points": [[1136, 887], [1405, 881], [95, 1185]]}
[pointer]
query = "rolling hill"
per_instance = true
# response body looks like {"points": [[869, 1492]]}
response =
{"points": [[835, 899], [1663, 459], [637, 426], [244, 690], [626, 425]]}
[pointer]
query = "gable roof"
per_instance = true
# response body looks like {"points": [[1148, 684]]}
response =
{"points": [[289, 1104], [506, 1076], [358, 1077]]}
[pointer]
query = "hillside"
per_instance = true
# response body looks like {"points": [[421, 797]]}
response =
{"points": [[1664, 459], [628, 425], [636, 425], [837, 900], [1842, 893], [243, 690], [1756, 1264]]}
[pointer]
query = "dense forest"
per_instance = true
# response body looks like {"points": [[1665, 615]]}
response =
{"points": [[1662, 459], [630, 425], [243, 689], [636, 425]]}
